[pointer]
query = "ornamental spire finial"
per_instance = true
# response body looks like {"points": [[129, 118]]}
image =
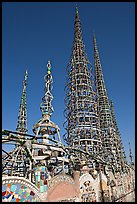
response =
{"points": [[49, 67], [46, 106], [45, 126]]}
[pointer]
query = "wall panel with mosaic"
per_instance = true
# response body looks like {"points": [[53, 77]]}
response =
{"points": [[18, 191]]}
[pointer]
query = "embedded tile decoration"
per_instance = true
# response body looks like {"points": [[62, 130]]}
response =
{"points": [[17, 193]]}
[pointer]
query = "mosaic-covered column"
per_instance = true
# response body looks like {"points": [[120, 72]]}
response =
{"points": [[41, 178]]}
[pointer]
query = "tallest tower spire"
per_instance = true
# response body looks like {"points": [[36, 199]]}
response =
{"points": [[82, 124], [78, 33]]}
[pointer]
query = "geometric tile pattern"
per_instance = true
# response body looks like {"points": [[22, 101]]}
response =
{"points": [[17, 193]]}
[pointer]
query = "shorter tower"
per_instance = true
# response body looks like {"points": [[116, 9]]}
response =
{"points": [[47, 147], [120, 148], [18, 162], [44, 127], [21, 162], [22, 117]]}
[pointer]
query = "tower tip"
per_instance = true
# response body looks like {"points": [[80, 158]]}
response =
{"points": [[49, 63], [94, 36], [26, 75], [49, 67], [76, 8]]}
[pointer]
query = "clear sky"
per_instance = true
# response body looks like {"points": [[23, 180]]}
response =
{"points": [[34, 32]]}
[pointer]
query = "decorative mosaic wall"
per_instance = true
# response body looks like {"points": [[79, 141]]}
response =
{"points": [[18, 189], [18, 193]]}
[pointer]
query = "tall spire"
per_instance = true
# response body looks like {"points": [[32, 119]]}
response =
{"points": [[82, 123], [110, 135], [120, 148], [22, 117], [103, 102]]}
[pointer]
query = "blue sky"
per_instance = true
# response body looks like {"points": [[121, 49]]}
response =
{"points": [[34, 32]]}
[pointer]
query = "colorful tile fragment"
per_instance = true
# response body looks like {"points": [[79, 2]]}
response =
{"points": [[13, 188]]}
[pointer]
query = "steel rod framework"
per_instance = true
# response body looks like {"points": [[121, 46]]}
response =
{"points": [[22, 117], [113, 151], [82, 122]]}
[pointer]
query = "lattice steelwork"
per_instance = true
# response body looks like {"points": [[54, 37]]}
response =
{"points": [[22, 117], [82, 123], [111, 142], [16, 162], [121, 156]]}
